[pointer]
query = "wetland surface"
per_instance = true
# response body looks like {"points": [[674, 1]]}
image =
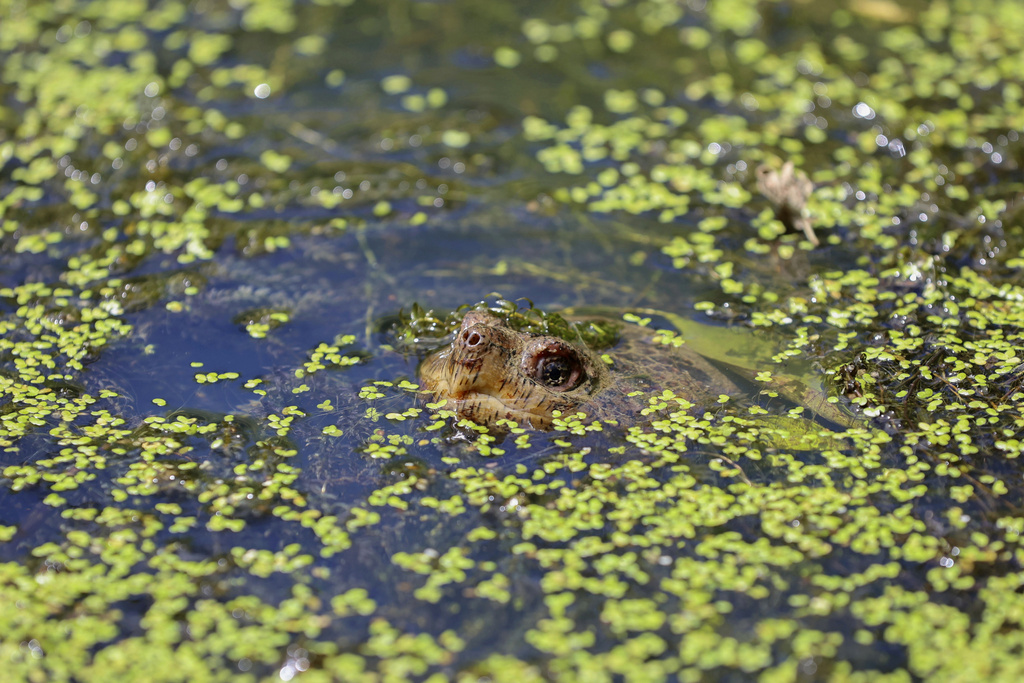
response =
{"points": [[220, 220]]}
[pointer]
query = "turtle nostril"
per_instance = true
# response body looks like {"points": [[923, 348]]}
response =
{"points": [[471, 339]]}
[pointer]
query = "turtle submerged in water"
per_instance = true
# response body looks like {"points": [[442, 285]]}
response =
{"points": [[492, 370]]}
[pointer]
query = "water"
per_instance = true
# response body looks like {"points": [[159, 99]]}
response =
{"points": [[188, 495]]}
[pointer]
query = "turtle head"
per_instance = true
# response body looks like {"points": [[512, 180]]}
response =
{"points": [[490, 371]]}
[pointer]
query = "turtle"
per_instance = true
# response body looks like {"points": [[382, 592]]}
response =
{"points": [[491, 371]]}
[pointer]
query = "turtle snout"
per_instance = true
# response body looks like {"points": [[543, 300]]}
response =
{"points": [[473, 342], [472, 338]]}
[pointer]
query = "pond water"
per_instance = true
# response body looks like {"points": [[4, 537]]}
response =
{"points": [[218, 216]]}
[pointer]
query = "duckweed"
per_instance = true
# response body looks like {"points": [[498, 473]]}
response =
{"points": [[216, 462]]}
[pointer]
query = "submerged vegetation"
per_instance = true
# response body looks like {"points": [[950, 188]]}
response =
{"points": [[215, 466], [420, 330]]}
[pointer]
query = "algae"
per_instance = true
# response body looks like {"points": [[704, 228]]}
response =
{"points": [[214, 464]]}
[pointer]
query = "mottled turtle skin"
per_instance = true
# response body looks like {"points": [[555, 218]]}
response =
{"points": [[490, 371]]}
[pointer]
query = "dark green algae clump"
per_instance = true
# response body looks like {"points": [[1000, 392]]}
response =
{"points": [[211, 468]]}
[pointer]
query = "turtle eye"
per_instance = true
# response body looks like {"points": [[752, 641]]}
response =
{"points": [[554, 364], [554, 370]]}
